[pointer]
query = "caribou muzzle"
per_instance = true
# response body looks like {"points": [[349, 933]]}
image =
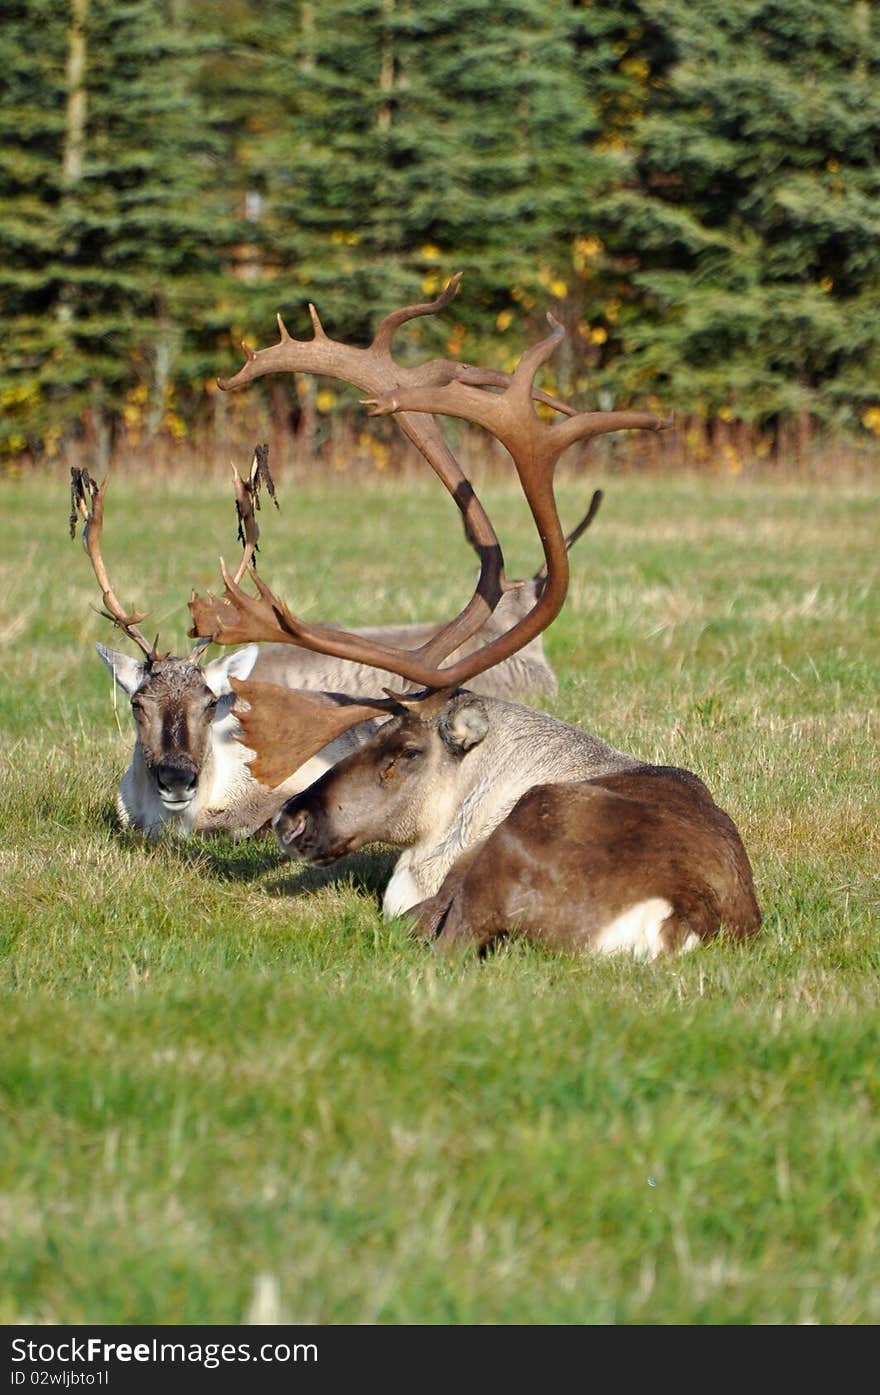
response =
{"points": [[176, 783], [303, 830]]}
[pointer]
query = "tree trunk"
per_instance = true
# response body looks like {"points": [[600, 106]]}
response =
{"points": [[75, 125], [386, 69], [74, 134]]}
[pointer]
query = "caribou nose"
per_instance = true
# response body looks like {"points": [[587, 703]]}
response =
{"points": [[176, 782], [289, 827]]}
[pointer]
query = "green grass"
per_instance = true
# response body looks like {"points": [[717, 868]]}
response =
{"points": [[222, 1073]]}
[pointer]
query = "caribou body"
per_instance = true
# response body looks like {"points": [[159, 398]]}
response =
{"points": [[514, 822], [640, 860]]}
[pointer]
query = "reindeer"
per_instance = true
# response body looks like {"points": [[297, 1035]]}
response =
{"points": [[188, 773], [509, 820]]}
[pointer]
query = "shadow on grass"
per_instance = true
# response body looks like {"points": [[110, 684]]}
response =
{"points": [[217, 855], [367, 872], [214, 854], [229, 861]]}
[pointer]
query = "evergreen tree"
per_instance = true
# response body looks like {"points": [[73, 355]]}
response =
{"points": [[141, 235], [108, 210], [422, 139], [32, 127], [692, 189], [750, 209]]}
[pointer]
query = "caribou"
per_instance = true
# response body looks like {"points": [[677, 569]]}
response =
{"points": [[188, 772], [509, 821]]}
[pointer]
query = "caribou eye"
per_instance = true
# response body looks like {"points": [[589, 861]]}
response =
{"points": [[406, 753]]}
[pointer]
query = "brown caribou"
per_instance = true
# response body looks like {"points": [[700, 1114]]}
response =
{"points": [[509, 820]]}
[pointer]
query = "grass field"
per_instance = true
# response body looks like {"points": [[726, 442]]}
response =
{"points": [[224, 1079]]}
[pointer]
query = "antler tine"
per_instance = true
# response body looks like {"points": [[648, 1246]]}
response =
{"points": [[577, 531], [87, 498], [385, 330]]}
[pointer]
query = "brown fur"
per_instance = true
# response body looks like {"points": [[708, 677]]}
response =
{"points": [[570, 859]]}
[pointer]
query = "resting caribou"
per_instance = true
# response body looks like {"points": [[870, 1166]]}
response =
{"points": [[510, 821], [187, 772]]}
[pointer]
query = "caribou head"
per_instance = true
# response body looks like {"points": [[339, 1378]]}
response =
{"points": [[406, 782], [182, 711]]}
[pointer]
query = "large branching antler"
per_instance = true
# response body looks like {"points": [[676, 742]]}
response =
{"points": [[285, 727], [535, 447], [87, 500], [374, 370]]}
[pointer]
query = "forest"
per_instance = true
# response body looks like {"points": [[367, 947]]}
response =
{"points": [[691, 189]]}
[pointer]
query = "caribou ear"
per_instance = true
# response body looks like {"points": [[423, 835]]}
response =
{"points": [[464, 724], [128, 672], [238, 664]]}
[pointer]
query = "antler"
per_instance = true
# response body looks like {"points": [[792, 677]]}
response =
{"points": [[375, 371], [577, 531], [534, 447], [87, 499], [570, 538], [285, 727], [247, 501]]}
